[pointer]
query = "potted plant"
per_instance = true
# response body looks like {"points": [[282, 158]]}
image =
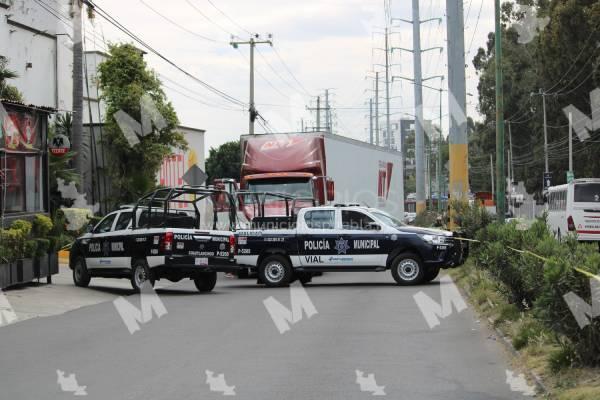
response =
{"points": [[41, 228], [7, 257]]}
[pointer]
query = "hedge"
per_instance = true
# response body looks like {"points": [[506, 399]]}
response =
{"points": [[539, 273]]}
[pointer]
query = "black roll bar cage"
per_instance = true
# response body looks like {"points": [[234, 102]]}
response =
{"points": [[261, 197], [173, 195]]}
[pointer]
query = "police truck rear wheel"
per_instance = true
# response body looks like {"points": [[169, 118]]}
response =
{"points": [[81, 276], [275, 271], [407, 269], [205, 281], [140, 274]]}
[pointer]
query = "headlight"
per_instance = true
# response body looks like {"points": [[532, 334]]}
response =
{"points": [[434, 239]]}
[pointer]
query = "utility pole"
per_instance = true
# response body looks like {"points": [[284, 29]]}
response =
{"points": [[511, 168], [327, 122], [492, 172], [571, 142], [377, 108], [418, 90], [458, 187], [77, 129], [371, 121], [387, 90], [547, 169], [254, 40], [500, 183], [318, 113], [439, 156]]}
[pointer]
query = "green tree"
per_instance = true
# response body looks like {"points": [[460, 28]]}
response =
{"points": [[7, 91], [124, 78], [60, 167], [224, 161], [563, 61]]}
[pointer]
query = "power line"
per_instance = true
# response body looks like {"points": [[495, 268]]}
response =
{"points": [[229, 18], [476, 25], [276, 73], [119, 26], [176, 24], [207, 18], [290, 71]]}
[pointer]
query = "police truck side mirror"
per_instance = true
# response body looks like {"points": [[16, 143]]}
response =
{"points": [[330, 190]]}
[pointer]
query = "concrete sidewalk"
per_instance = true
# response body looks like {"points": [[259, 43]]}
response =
{"points": [[34, 299]]}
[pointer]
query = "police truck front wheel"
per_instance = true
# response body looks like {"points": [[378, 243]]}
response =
{"points": [[432, 273], [205, 281], [275, 271], [140, 275], [407, 269], [81, 276]]}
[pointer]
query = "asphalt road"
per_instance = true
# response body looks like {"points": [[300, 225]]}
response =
{"points": [[363, 321]]}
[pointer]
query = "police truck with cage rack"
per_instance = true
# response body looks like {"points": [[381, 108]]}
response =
{"points": [[176, 233]]}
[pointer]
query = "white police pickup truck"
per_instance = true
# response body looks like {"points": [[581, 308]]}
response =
{"points": [[177, 233], [343, 238]]}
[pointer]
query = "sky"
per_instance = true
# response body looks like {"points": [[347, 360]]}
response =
{"points": [[317, 44]]}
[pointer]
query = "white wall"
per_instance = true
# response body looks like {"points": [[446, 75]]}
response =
{"points": [[32, 39]]}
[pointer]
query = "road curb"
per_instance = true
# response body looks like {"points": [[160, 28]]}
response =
{"points": [[540, 386]]}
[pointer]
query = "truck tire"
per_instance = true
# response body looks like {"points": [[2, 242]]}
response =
{"points": [[81, 276], [275, 271], [431, 274], [205, 281], [140, 273], [407, 269]]}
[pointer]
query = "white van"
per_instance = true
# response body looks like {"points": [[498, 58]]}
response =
{"points": [[575, 208]]}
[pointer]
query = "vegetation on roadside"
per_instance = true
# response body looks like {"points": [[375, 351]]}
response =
{"points": [[224, 161], [8, 92], [124, 78], [518, 279]]}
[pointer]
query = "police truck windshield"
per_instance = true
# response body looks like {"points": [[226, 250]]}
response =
{"points": [[296, 187], [387, 219]]}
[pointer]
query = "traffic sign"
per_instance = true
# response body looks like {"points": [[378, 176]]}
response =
{"points": [[570, 176], [547, 180]]}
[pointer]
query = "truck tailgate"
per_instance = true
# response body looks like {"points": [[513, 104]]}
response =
{"points": [[201, 248]]}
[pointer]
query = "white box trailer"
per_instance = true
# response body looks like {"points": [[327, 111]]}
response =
{"points": [[291, 163]]}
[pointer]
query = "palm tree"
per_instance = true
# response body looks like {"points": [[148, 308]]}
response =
{"points": [[7, 91]]}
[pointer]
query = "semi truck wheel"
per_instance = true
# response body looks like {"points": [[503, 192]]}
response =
{"points": [[81, 276], [407, 269], [205, 281], [275, 271], [140, 274]]}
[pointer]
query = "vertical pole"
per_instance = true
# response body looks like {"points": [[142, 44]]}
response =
{"points": [[301, 124], [327, 122], [419, 136], [377, 108], [371, 121], [500, 189], [439, 158], [492, 171], [547, 169], [77, 129], [571, 142], [458, 187], [318, 113], [387, 91], [511, 168], [252, 110]]}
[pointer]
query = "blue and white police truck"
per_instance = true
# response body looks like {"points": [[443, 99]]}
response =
{"points": [[281, 249], [177, 233]]}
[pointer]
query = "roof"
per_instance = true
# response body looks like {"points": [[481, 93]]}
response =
{"points": [[48, 110]]}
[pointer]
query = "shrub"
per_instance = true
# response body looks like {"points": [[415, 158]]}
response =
{"points": [[43, 246], [470, 218], [426, 219], [29, 249], [538, 276], [23, 226], [42, 225]]}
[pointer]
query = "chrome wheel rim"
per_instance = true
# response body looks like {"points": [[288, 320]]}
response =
{"points": [[408, 269], [139, 276], [274, 272]]}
